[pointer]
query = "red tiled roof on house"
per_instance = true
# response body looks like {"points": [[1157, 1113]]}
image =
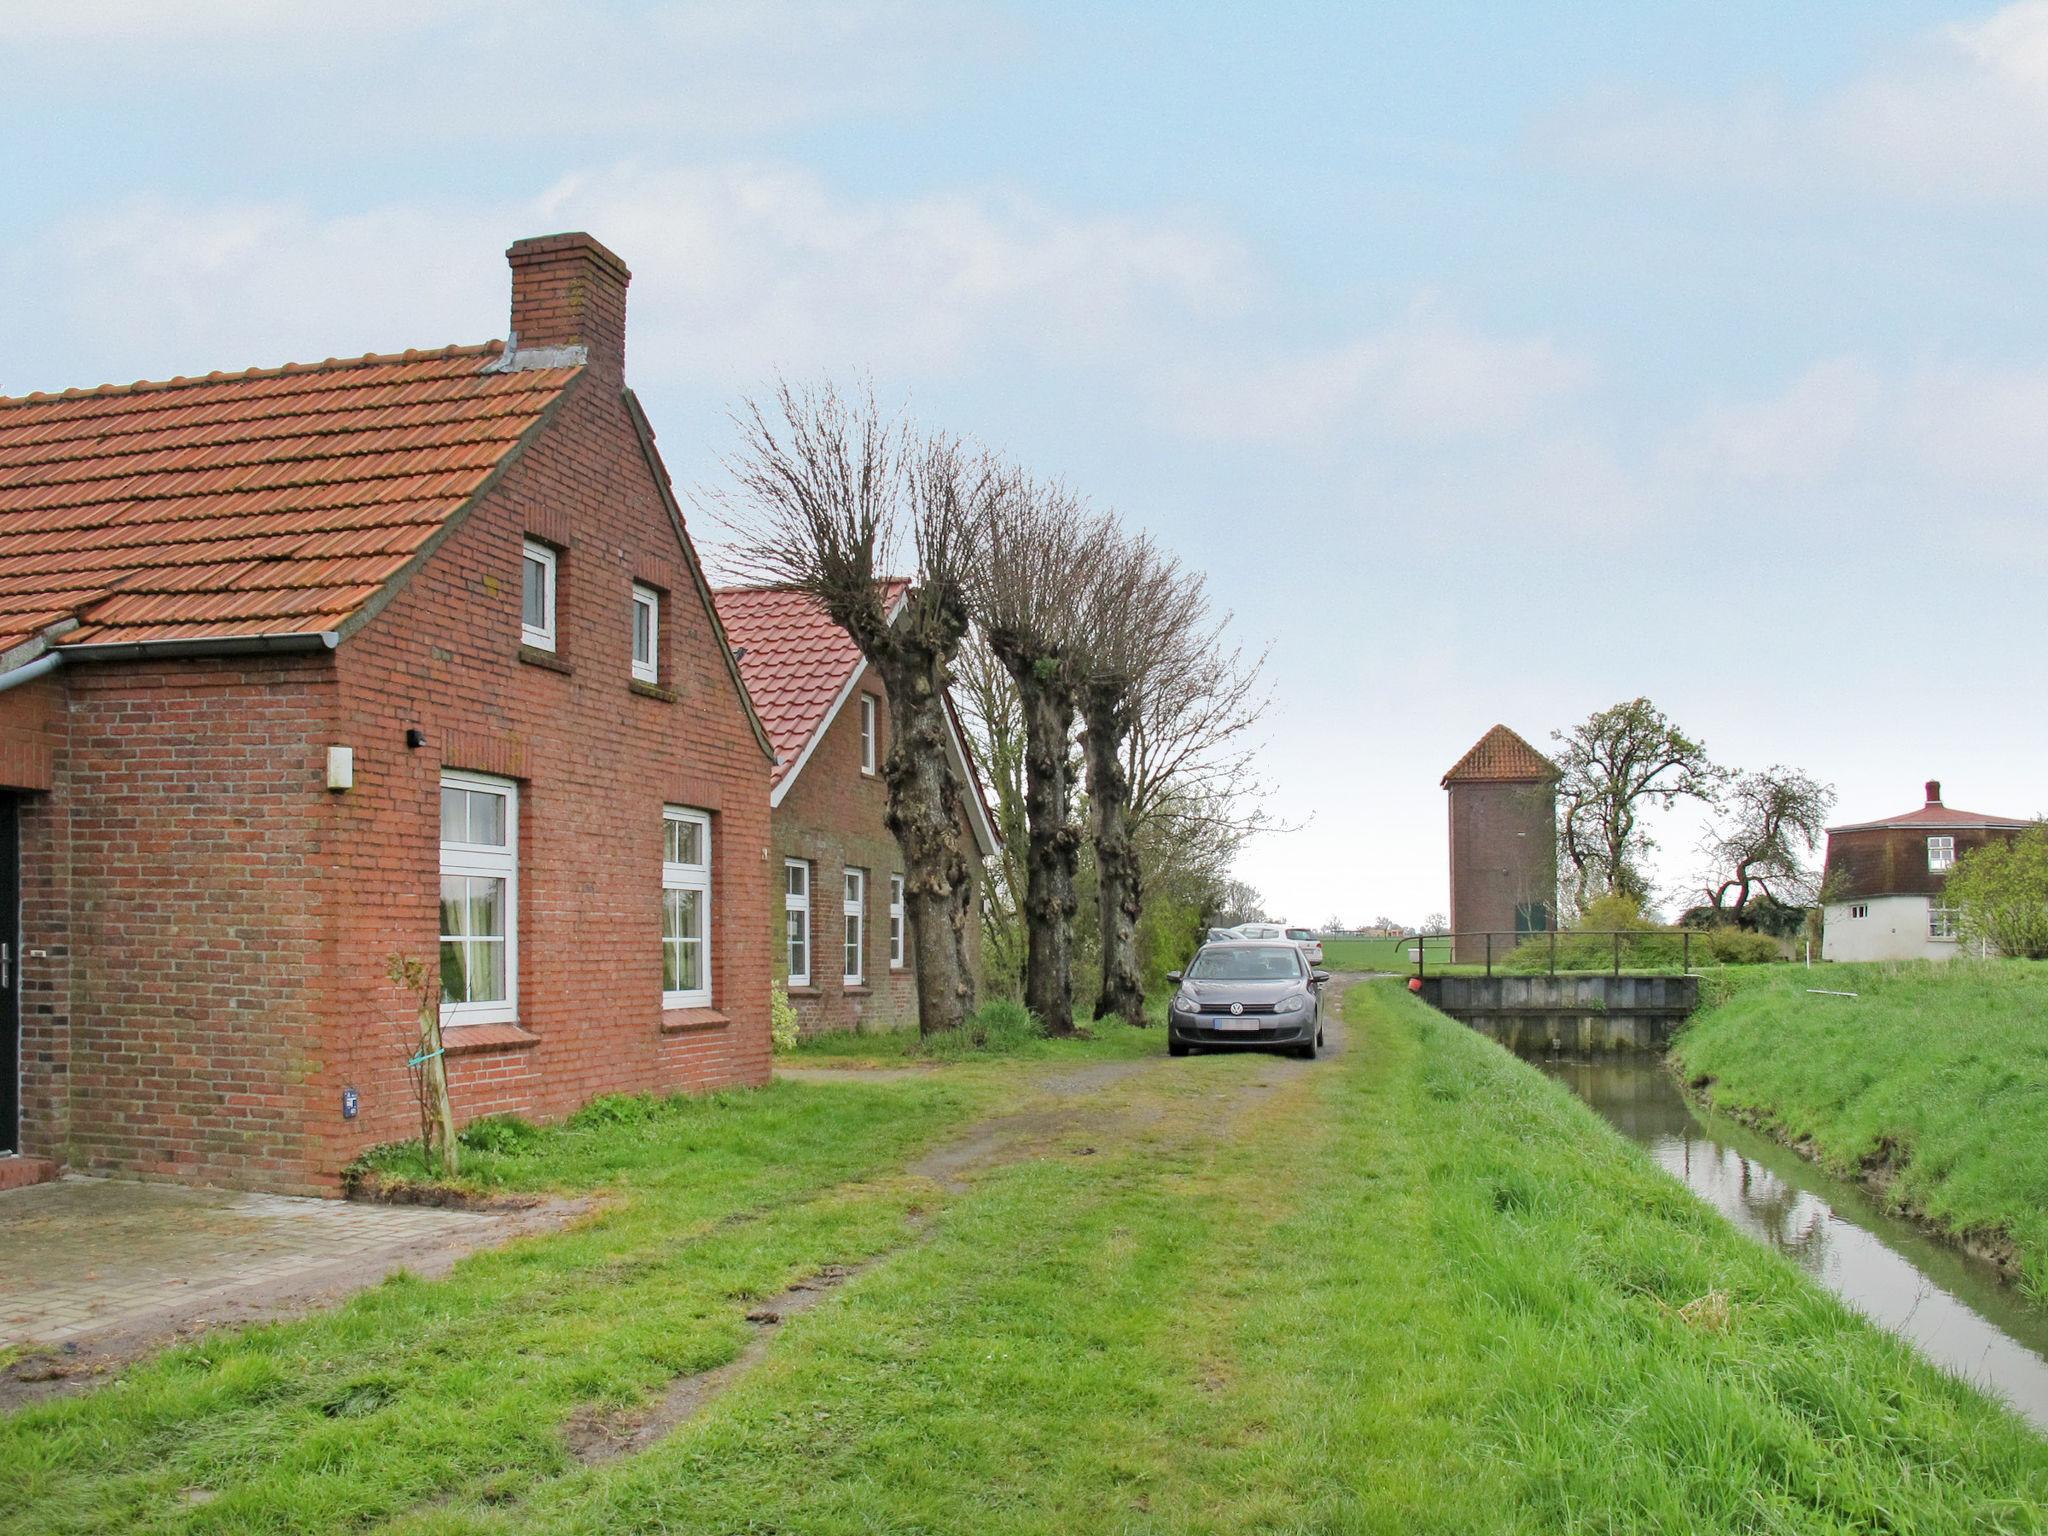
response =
{"points": [[799, 666], [272, 502], [1500, 757], [796, 661], [1935, 814]]}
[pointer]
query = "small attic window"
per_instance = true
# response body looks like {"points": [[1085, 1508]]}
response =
{"points": [[537, 601]]}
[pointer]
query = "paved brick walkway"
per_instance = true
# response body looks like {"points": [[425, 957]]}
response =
{"points": [[83, 1257]]}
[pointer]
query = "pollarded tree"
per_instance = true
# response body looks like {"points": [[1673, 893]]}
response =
{"points": [[1039, 552], [2000, 893], [1760, 851], [1611, 766], [824, 493], [1137, 609]]}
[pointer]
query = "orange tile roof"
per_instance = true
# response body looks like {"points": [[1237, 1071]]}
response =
{"points": [[794, 659], [1500, 757], [276, 501]]}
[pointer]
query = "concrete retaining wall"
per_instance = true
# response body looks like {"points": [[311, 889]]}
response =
{"points": [[1582, 1015]]}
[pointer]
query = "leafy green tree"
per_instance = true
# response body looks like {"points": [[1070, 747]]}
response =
{"points": [[1759, 852], [2000, 893], [1613, 765]]}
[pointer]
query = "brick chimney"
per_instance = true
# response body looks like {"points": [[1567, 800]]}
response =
{"points": [[1934, 791], [568, 293]]}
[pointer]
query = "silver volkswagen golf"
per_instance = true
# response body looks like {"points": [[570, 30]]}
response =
{"points": [[1246, 993]]}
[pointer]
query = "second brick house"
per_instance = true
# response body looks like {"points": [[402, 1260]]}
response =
{"points": [[305, 668], [836, 882]]}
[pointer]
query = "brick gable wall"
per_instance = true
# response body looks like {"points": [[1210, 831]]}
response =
{"points": [[596, 760]]}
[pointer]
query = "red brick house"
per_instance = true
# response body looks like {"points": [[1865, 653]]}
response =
{"points": [[835, 882], [306, 667]]}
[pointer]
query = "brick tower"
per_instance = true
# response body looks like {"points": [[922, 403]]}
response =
{"points": [[1503, 796]]}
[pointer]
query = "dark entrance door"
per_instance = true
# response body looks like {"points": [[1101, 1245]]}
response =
{"points": [[10, 973]]}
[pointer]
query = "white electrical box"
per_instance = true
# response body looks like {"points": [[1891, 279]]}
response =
{"points": [[341, 767]]}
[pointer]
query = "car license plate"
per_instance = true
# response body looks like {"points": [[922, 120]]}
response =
{"points": [[1236, 1023]]}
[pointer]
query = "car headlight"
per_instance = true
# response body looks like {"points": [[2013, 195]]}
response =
{"points": [[1292, 1004], [1182, 1003]]}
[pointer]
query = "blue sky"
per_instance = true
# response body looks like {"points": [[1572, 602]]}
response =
{"points": [[1497, 362]]}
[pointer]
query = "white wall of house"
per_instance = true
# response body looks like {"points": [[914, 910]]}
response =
{"points": [[1883, 928]]}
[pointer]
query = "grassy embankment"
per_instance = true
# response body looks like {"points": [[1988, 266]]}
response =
{"points": [[1932, 1083], [1415, 1289]]}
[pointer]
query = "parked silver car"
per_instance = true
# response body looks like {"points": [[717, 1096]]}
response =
{"points": [[1246, 993]]}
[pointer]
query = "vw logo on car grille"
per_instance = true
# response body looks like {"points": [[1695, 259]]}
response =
{"points": [[1237, 1007]]}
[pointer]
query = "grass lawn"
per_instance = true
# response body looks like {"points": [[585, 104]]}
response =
{"points": [[1381, 954], [1938, 1073], [1418, 1288]]}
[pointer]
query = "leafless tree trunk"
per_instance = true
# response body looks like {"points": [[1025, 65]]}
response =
{"points": [[823, 492], [1137, 606], [1037, 558], [995, 725]]}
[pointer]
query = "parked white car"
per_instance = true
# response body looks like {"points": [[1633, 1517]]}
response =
{"points": [[1311, 946], [1260, 930]]}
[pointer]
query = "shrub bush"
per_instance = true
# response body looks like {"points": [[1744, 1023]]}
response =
{"points": [[782, 1032], [998, 1026], [500, 1134]]}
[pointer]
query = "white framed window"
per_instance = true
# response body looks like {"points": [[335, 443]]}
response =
{"points": [[537, 597], [685, 908], [896, 926], [1941, 852], [855, 906], [796, 919], [479, 899], [646, 634], [867, 733], [1941, 923], [1859, 910]]}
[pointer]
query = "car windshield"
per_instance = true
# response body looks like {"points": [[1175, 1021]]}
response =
{"points": [[1300, 933], [1249, 962]]}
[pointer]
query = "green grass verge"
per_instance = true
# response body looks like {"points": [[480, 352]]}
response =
{"points": [[999, 1030], [1935, 1076], [1380, 954], [1416, 1289]]}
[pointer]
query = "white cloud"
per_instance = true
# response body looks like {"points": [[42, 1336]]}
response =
{"points": [[1799, 435], [511, 70], [1425, 378], [1960, 114], [737, 269], [1931, 431]]}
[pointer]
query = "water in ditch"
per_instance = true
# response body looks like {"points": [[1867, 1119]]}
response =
{"points": [[1951, 1307]]}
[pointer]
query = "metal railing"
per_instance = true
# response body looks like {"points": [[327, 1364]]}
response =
{"points": [[1418, 953]]}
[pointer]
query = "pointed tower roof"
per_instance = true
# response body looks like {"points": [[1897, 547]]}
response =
{"points": [[1500, 757]]}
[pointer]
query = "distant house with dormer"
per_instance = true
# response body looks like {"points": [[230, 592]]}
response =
{"points": [[1884, 879]]}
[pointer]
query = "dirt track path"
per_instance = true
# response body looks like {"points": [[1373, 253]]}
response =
{"points": [[1154, 1103], [1102, 1104]]}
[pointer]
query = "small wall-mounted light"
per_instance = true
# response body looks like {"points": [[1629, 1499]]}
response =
{"points": [[415, 738], [341, 768]]}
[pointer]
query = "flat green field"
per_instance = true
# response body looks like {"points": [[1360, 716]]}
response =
{"points": [[1934, 1075], [1381, 954], [1411, 1288]]}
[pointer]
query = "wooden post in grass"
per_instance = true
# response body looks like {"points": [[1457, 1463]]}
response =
{"points": [[437, 1111]]}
